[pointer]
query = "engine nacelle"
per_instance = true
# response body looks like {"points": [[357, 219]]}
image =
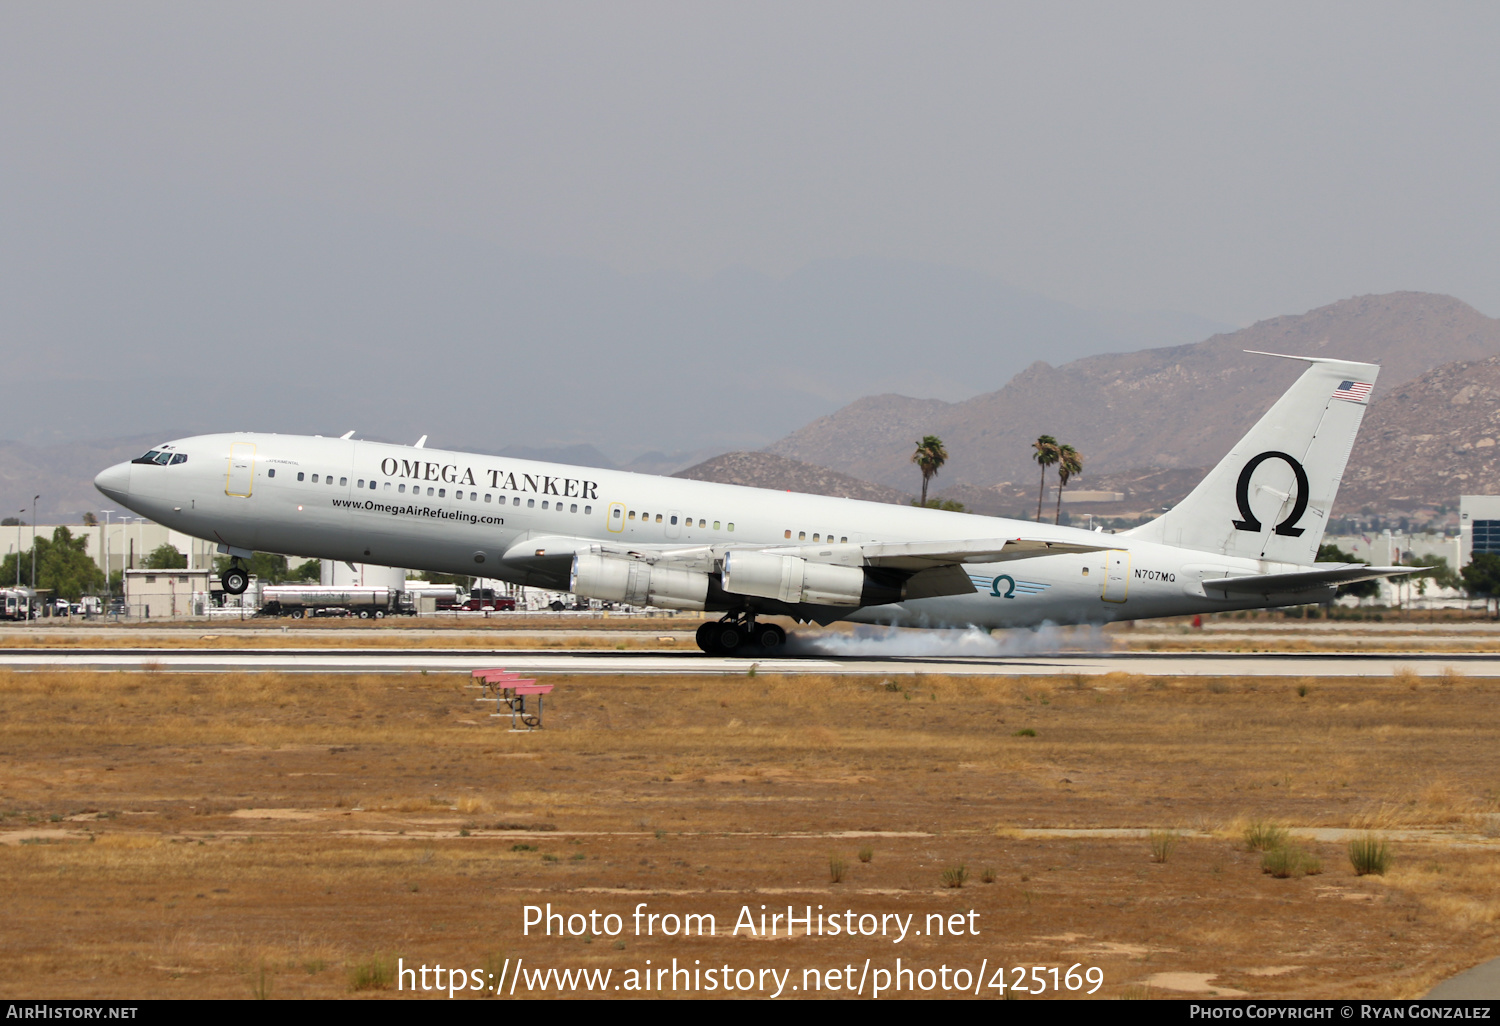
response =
{"points": [[640, 584], [794, 580]]}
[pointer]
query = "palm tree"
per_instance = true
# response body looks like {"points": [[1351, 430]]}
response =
{"points": [[1046, 455], [930, 455], [1069, 464]]}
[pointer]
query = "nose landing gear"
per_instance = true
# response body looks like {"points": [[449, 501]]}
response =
{"points": [[740, 635], [235, 579]]}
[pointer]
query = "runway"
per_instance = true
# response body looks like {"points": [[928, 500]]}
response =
{"points": [[354, 659]]}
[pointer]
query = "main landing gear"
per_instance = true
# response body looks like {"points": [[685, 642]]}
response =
{"points": [[235, 579], [740, 635]]}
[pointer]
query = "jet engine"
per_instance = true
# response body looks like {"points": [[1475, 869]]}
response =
{"points": [[794, 580], [612, 579]]}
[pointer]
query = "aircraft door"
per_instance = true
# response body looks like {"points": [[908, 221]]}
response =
{"points": [[240, 477], [1116, 575], [616, 515], [674, 523]]}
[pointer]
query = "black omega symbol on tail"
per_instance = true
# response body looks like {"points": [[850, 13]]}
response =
{"points": [[1242, 496]]}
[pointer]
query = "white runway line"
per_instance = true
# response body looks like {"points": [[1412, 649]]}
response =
{"points": [[354, 660]]}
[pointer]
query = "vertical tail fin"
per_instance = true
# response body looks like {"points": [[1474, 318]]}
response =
{"points": [[1271, 496]]}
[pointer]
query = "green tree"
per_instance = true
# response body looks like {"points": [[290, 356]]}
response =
{"points": [[1069, 464], [951, 505], [89, 520], [929, 457], [164, 557], [311, 571], [1481, 577], [63, 566], [1046, 454], [1328, 553]]}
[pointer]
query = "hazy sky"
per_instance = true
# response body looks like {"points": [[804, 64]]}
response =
{"points": [[1231, 160]]}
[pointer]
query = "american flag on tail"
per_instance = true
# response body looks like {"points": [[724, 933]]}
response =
{"points": [[1353, 391]]}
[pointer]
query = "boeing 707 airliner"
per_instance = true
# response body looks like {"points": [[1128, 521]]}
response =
{"points": [[1247, 537]]}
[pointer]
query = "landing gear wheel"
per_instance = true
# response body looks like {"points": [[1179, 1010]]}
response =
{"points": [[768, 636], [731, 638], [235, 580], [708, 635]]}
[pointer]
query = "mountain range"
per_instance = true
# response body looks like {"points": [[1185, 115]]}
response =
{"points": [[1148, 423], [1177, 407]]}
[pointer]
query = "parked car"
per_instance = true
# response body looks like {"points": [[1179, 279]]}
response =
{"points": [[499, 604]]}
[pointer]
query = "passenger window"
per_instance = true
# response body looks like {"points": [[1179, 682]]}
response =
{"points": [[731, 527], [615, 514], [474, 497], [401, 488], [361, 483], [802, 536], [674, 519], [843, 540], [702, 522], [315, 479], [787, 535], [587, 510], [429, 493], [632, 514], [530, 503], [573, 508], [658, 519], [716, 525], [442, 493], [372, 484], [516, 501], [544, 504], [343, 481], [815, 538], [300, 475], [486, 496], [271, 472], [387, 486]]}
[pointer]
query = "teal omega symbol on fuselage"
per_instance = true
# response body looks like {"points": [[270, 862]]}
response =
{"points": [[1007, 587]]}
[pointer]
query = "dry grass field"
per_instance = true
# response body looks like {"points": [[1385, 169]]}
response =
{"points": [[293, 835]]}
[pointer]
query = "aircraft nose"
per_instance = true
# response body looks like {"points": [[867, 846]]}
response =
{"points": [[115, 482]]}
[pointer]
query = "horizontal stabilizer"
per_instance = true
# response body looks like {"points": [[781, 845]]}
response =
{"points": [[1306, 580]]}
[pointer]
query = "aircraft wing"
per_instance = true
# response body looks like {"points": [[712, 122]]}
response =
{"points": [[925, 569], [926, 555], [1305, 580]]}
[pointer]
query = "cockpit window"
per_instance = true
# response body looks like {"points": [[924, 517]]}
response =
{"points": [[161, 458]]}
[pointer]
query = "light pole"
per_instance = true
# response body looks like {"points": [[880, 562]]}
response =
{"points": [[108, 592], [34, 499], [20, 515]]}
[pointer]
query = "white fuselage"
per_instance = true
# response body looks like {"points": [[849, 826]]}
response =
{"points": [[462, 513]]}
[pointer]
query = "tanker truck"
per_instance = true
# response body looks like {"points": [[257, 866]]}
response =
{"points": [[299, 600]]}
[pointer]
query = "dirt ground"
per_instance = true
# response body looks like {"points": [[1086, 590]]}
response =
{"points": [[275, 835]]}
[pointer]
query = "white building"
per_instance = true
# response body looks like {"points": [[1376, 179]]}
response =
{"points": [[167, 593], [1478, 525]]}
